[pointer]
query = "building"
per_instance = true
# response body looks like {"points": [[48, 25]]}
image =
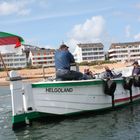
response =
{"points": [[124, 51], [13, 60], [41, 57], [89, 52], [27, 48]]}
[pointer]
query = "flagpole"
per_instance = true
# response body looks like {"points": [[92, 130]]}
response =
{"points": [[4, 65]]}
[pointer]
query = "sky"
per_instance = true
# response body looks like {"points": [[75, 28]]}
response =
{"points": [[48, 23]]}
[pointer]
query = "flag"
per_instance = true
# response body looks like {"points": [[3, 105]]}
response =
{"points": [[10, 43]]}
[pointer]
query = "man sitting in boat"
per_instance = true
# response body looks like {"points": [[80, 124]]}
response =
{"points": [[136, 69], [136, 74], [88, 74], [63, 60], [111, 74]]}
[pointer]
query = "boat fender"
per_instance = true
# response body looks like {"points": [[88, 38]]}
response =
{"points": [[109, 87], [127, 83], [136, 81]]}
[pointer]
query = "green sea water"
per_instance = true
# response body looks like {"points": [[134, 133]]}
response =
{"points": [[120, 124]]}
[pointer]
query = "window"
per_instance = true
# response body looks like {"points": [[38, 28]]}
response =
{"points": [[84, 53], [100, 48]]}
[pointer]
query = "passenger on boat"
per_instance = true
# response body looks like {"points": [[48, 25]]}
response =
{"points": [[110, 74], [63, 60], [88, 74], [136, 69]]}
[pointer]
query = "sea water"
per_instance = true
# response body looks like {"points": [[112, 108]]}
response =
{"points": [[120, 124]]}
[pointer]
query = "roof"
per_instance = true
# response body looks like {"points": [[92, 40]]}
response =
{"points": [[124, 44], [41, 50], [84, 45]]}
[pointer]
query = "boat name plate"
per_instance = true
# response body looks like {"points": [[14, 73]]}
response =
{"points": [[59, 90]]}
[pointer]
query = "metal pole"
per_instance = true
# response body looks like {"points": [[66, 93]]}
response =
{"points": [[44, 72], [4, 65]]}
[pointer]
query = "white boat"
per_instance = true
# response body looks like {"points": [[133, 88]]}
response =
{"points": [[34, 100]]}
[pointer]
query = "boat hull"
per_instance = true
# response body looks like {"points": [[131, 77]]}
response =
{"points": [[67, 97]]}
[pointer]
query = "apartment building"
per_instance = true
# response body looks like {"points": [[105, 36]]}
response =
{"points": [[41, 57], [129, 51], [89, 52], [13, 60]]}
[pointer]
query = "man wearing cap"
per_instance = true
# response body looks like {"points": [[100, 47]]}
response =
{"points": [[63, 60], [136, 69]]}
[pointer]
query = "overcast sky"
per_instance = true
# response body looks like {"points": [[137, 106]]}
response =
{"points": [[48, 23]]}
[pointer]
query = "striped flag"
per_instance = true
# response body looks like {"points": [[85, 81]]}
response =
{"points": [[10, 43]]}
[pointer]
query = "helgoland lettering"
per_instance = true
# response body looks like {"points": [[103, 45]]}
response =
{"points": [[59, 90]]}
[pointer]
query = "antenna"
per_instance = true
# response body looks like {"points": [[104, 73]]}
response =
{"points": [[62, 42]]}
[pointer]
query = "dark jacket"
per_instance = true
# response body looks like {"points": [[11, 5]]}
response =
{"points": [[109, 74], [136, 71], [63, 59]]}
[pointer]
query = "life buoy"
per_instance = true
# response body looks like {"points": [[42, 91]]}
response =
{"points": [[136, 81], [127, 83], [109, 87]]}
